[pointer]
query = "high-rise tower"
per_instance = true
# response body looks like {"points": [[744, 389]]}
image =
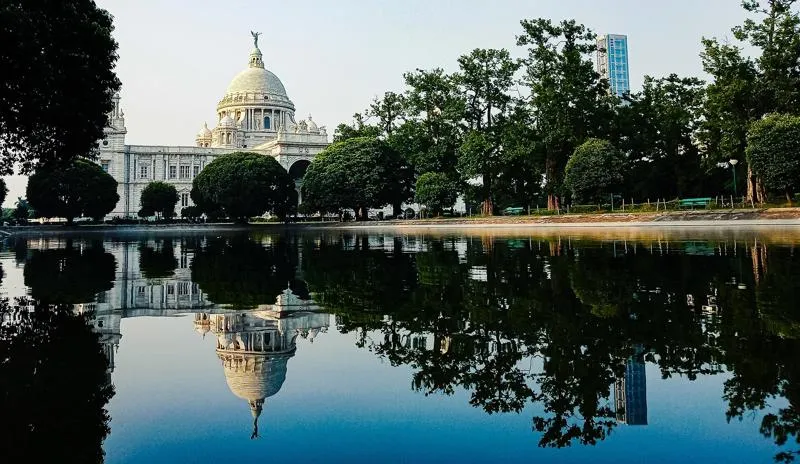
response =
{"points": [[612, 62]]}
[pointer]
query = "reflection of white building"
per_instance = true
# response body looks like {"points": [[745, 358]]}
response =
{"points": [[254, 115], [255, 347], [134, 293]]}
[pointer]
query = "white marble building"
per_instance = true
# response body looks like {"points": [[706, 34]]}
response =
{"points": [[255, 115]]}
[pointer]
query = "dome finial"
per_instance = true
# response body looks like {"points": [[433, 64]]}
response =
{"points": [[255, 55], [255, 411], [255, 38]]}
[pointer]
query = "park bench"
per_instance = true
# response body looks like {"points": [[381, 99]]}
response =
{"points": [[692, 202], [513, 211]]}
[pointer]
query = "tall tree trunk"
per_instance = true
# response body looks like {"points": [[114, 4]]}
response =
{"points": [[487, 207], [550, 175], [755, 188]]}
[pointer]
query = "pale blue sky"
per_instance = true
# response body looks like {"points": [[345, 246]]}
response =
{"points": [[178, 56]]}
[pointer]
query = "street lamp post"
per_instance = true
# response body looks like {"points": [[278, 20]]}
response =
{"points": [[733, 163]]}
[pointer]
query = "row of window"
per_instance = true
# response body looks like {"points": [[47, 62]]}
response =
{"points": [[182, 288], [186, 172]]}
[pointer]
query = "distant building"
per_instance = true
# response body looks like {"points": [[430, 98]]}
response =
{"points": [[612, 62]]}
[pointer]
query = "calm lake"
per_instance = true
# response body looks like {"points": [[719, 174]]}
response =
{"points": [[343, 346]]}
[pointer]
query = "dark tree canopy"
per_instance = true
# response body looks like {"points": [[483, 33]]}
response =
{"points": [[57, 80], [22, 210], [773, 152], [3, 191], [78, 188], [594, 171], [356, 173], [243, 185], [159, 197]]}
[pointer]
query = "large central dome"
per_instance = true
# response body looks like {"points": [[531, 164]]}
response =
{"points": [[256, 80]]}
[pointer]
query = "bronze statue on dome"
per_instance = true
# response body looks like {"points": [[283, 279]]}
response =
{"points": [[255, 38]]}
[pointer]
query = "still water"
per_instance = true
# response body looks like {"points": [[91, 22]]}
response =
{"points": [[340, 346]]}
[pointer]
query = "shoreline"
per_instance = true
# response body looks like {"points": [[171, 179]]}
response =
{"points": [[729, 219]]}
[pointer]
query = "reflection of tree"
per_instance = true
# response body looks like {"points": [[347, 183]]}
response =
{"points": [[53, 379], [69, 275], [157, 262], [763, 351], [475, 322], [243, 273], [363, 280]]}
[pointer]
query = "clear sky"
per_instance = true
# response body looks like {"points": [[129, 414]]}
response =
{"points": [[178, 56]]}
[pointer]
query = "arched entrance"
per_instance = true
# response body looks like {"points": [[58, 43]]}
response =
{"points": [[296, 171]]}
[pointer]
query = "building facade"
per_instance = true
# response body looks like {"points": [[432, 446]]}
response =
{"points": [[612, 62], [255, 114]]}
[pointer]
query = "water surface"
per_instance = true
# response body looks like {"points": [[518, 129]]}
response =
{"points": [[339, 346]]}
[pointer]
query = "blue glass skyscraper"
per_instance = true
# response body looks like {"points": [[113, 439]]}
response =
{"points": [[612, 62]]}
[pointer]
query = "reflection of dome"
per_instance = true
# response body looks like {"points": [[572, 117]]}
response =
{"points": [[202, 324], [255, 347], [201, 329], [254, 377]]}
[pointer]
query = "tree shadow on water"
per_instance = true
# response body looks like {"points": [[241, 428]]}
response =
{"points": [[54, 385]]}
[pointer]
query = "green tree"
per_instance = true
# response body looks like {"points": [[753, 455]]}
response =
{"points": [[773, 152], [244, 185], [159, 197], [656, 130], [359, 128], [594, 171], [191, 212], [744, 89], [569, 102], [57, 81], [77, 188], [433, 128], [22, 210], [436, 191], [485, 78], [388, 110], [358, 174]]}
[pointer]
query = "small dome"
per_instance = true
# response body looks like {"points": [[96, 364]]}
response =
{"points": [[312, 126], [227, 121], [204, 133]]}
